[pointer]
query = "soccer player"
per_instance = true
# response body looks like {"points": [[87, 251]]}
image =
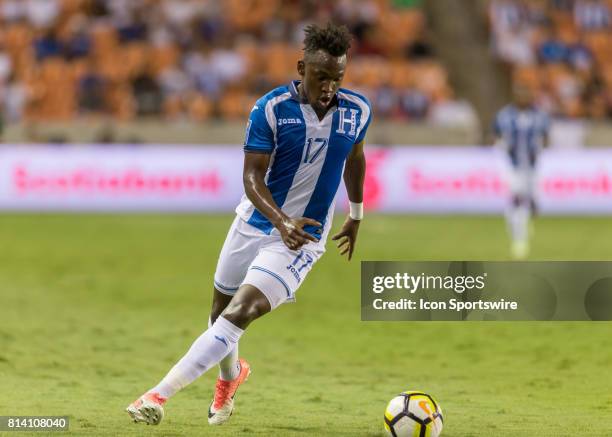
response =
{"points": [[522, 130], [301, 139]]}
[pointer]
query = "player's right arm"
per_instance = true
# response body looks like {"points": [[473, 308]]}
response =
{"points": [[255, 188], [258, 146]]}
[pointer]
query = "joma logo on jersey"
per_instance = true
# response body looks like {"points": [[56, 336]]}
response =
{"points": [[343, 120], [282, 121]]}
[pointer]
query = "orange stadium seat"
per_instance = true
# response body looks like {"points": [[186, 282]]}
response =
{"points": [[53, 84], [398, 29], [134, 56], [120, 101], [70, 7], [401, 74], [249, 15], [599, 43], [164, 57], [236, 104], [251, 52], [281, 62], [104, 39], [57, 97], [607, 73], [200, 108], [431, 78], [370, 71], [528, 75]]}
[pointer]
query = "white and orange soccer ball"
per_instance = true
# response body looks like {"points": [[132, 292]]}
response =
{"points": [[413, 414]]}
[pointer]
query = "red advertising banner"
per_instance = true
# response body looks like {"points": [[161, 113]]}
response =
{"points": [[438, 180]]}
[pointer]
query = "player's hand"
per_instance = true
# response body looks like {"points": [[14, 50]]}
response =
{"points": [[293, 234], [347, 237]]}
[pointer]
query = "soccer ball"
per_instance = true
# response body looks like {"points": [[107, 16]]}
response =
{"points": [[413, 413]]}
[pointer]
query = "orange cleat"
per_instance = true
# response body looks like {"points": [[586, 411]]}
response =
{"points": [[222, 405]]}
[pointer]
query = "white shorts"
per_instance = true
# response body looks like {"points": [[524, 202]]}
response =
{"points": [[249, 256], [523, 181]]}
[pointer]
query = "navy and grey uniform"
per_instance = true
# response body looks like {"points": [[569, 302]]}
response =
{"points": [[523, 132]]}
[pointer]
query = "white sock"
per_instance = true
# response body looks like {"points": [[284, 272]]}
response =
{"points": [[518, 222], [214, 344], [229, 367]]}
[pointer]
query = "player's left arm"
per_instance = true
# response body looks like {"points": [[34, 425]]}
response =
{"points": [[497, 139], [354, 176], [546, 132]]}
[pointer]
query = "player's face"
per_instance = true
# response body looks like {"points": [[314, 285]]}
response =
{"points": [[322, 75], [523, 96]]}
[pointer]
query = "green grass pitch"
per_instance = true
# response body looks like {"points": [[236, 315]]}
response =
{"points": [[95, 309]]}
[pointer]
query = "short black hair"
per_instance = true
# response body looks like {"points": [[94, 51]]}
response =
{"points": [[334, 39]]}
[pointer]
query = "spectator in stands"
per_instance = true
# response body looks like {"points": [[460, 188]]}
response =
{"points": [[13, 97], [580, 57], [147, 93], [47, 45], [591, 15], [414, 104], [594, 96], [506, 15], [133, 28], [97, 8], [194, 52], [386, 101], [562, 5], [419, 49], [12, 10], [92, 90], [227, 64], [537, 13], [78, 42], [199, 70], [42, 13], [6, 65], [552, 50], [174, 82], [515, 47], [574, 73]]}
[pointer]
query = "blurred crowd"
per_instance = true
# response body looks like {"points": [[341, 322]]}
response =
{"points": [[562, 49], [201, 59]]}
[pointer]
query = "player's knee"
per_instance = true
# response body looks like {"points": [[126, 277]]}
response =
{"points": [[219, 303], [215, 311], [242, 313], [533, 207]]}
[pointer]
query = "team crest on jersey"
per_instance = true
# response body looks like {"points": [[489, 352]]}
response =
{"points": [[282, 121], [345, 119]]}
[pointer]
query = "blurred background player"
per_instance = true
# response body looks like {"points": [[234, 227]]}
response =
{"points": [[522, 130], [301, 140]]}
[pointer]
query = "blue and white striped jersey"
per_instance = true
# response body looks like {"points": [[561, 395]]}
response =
{"points": [[523, 132], [308, 154]]}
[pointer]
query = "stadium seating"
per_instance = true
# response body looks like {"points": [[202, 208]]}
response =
{"points": [[175, 59], [560, 49]]}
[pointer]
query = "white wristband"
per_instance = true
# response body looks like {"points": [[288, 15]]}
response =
{"points": [[356, 210]]}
